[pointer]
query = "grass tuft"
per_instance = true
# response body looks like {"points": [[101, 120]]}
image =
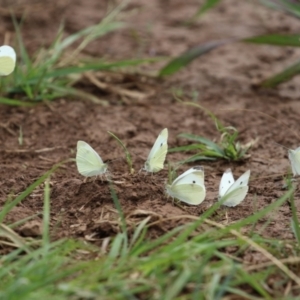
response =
{"points": [[196, 259], [53, 72], [228, 148]]}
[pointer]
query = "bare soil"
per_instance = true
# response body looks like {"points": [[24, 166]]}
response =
{"points": [[223, 82]]}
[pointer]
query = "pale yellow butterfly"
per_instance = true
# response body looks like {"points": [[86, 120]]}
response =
{"points": [[294, 157], [189, 187], [7, 60], [88, 161], [157, 155], [234, 191]]}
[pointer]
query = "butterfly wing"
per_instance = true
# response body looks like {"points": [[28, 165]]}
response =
{"points": [[88, 161], [189, 186], [294, 157], [226, 181], [7, 60], [237, 191], [157, 155]]}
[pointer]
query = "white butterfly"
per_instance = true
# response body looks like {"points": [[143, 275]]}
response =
{"points": [[157, 155], [7, 60], [189, 187], [294, 157], [88, 161], [234, 191]]}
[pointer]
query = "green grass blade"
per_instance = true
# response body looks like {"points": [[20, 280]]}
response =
{"points": [[275, 39], [244, 294], [187, 232], [218, 124], [116, 247], [208, 4], [118, 206], [204, 141], [10, 205], [241, 223], [18, 241], [188, 56], [23, 52], [261, 213], [157, 242], [199, 157], [96, 66], [213, 286], [50, 74], [185, 148], [127, 154], [46, 216], [228, 148], [256, 284], [34, 273], [106, 25], [294, 221], [122, 217], [97, 31], [13, 102], [288, 6], [138, 231], [283, 76], [180, 282], [23, 221]]}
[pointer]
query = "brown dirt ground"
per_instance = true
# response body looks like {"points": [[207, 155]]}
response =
{"points": [[223, 79]]}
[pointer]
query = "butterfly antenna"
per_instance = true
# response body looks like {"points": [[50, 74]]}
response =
{"points": [[280, 145], [99, 176], [113, 159]]}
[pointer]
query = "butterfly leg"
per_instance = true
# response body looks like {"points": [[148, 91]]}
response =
{"points": [[226, 217], [108, 177], [177, 203], [141, 170]]}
